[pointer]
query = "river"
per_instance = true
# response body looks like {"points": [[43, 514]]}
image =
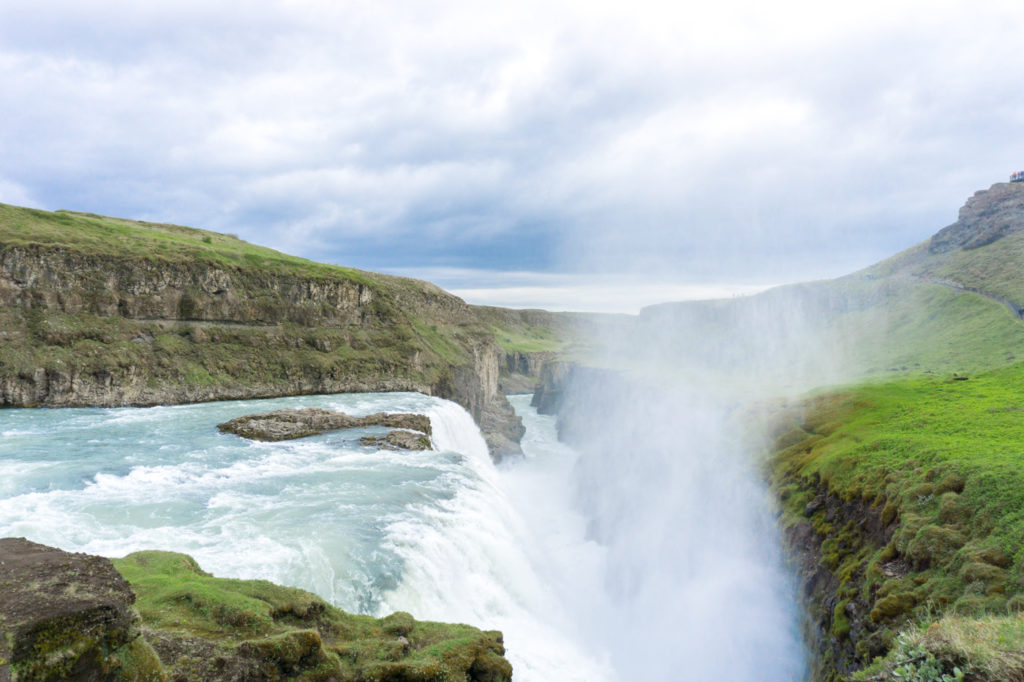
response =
{"points": [[443, 534], [651, 556]]}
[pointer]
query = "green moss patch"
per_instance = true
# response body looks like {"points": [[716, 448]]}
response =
{"points": [[987, 649], [203, 627]]}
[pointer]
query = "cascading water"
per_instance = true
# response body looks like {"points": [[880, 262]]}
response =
{"points": [[436, 533], [649, 555], [474, 559]]}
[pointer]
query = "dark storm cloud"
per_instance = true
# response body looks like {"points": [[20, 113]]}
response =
{"points": [[720, 143]]}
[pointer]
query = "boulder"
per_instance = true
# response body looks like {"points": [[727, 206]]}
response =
{"points": [[68, 616], [398, 440]]}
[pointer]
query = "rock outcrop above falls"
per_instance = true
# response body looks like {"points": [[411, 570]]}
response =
{"points": [[289, 424], [987, 216]]}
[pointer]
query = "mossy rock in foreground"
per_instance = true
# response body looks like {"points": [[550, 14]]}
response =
{"points": [[211, 628], [68, 616]]}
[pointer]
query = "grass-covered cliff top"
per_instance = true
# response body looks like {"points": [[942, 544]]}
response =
{"points": [[97, 235], [540, 331], [206, 628], [118, 238], [937, 460]]}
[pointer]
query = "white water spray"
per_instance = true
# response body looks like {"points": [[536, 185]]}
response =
{"points": [[695, 586]]}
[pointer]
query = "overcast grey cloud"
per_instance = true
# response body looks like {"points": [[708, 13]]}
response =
{"points": [[729, 144]]}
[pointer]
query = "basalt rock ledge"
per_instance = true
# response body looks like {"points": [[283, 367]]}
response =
{"points": [[310, 421]]}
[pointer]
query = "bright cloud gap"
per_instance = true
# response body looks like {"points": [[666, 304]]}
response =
{"points": [[574, 292]]}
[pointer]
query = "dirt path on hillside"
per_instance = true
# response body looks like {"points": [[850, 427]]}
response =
{"points": [[1016, 310]]}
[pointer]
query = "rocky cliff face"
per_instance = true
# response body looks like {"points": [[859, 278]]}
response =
{"points": [[838, 625], [520, 371], [986, 217], [574, 393], [37, 276], [549, 398], [94, 325]]}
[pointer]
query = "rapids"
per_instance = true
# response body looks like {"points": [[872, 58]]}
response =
{"points": [[650, 555], [443, 534]]}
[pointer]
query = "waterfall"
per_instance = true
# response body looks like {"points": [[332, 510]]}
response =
{"points": [[647, 552], [694, 583], [373, 531]]}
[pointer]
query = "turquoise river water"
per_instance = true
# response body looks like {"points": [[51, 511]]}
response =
{"points": [[443, 534]]}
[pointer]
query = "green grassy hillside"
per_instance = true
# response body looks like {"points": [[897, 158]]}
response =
{"points": [[936, 466], [795, 338], [104, 236], [912, 327], [903, 496]]}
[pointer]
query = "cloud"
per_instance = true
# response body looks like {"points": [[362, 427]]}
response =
{"points": [[723, 140], [575, 292], [600, 298], [13, 193]]}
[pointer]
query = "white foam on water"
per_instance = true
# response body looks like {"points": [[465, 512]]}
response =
{"points": [[467, 560], [431, 532]]}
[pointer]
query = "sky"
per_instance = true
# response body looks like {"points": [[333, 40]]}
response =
{"points": [[566, 155]]}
